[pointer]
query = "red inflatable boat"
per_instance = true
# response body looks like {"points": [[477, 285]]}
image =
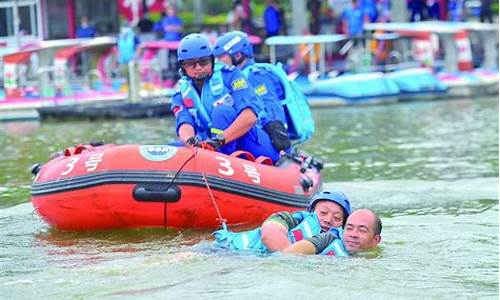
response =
{"points": [[92, 187]]}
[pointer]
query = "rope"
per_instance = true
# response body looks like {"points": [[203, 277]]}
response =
{"points": [[210, 193], [170, 184], [219, 215]]}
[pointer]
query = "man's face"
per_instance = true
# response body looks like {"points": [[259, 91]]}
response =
{"points": [[359, 231], [225, 59], [198, 68], [330, 214]]}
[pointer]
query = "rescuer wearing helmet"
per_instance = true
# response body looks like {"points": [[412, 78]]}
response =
{"points": [[234, 48], [216, 105], [330, 208]]}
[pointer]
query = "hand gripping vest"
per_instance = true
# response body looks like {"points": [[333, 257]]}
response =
{"points": [[251, 240], [336, 248], [297, 111]]}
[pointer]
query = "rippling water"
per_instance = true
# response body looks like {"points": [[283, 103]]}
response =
{"points": [[429, 169]]}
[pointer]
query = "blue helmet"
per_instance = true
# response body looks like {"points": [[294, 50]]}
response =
{"points": [[232, 43], [332, 195], [192, 46]]}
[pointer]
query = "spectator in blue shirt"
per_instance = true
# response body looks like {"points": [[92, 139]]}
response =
{"points": [[486, 13], [456, 10], [272, 19], [85, 30], [215, 105], [416, 9], [370, 9], [353, 19], [432, 9], [170, 25]]}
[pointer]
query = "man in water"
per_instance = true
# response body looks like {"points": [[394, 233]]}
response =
{"points": [[215, 105], [327, 227], [361, 232]]}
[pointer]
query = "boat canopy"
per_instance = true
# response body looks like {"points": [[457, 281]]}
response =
{"points": [[447, 30], [321, 40]]}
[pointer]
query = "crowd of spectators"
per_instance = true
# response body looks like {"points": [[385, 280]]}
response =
{"points": [[325, 17]]}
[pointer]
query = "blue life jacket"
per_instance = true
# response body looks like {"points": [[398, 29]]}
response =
{"points": [[299, 117], [336, 248], [309, 226], [240, 241], [216, 94], [126, 46]]}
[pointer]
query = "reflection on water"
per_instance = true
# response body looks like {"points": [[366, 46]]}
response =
{"points": [[432, 140], [429, 169]]}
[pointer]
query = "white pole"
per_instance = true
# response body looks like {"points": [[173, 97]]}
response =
{"points": [[17, 22], [299, 17]]}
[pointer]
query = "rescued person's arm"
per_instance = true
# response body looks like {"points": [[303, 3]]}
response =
{"points": [[301, 247], [275, 231], [313, 245]]}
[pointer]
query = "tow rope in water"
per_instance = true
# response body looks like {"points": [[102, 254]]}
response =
{"points": [[210, 193], [219, 215]]}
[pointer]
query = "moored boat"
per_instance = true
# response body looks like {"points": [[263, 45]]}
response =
{"points": [[362, 88], [446, 47], [129, 186], [417, 84]]}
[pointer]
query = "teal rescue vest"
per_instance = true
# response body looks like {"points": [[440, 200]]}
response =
{"points": [[309, 226], [299, 117], [335, 248], [126, 46]]}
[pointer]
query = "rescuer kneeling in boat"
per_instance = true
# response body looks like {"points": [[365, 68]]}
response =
{"points": [[215, 105], [234, 48], [289, 116], [327, 227]]}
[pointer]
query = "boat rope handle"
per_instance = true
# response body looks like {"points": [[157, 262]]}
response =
{"points": [[168, 187], [219, 215]]}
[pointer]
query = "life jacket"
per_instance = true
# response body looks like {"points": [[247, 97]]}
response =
{"points": [[298, 114], [126, 46], [200, 108], [336, 248], [309, 226], [240, 241], [250, 240]]}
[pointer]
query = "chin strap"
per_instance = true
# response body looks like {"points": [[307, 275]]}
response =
{"points": [[237, 61]]}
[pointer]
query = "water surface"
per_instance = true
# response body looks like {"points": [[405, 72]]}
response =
{"points": [[430, 169]]}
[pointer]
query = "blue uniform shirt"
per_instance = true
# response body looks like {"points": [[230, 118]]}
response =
{"points": [[86, 32], [162, 25], [272, 20], [237, 86], [355, 19], [268, 86]]}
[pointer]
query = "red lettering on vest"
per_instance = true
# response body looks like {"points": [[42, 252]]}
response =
{"points": [[330, 253], [218, 102], [188, 102], [176, 110], [297, 234]]}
